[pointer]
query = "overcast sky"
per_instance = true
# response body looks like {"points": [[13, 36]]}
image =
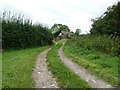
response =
{"points": [[73, 13]]}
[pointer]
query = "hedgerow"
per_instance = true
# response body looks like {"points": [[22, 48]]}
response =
{"points": [[18, 32]]}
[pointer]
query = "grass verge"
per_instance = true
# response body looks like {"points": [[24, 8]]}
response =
{"points": [[102, 65], [65, 77], [17, 67]]}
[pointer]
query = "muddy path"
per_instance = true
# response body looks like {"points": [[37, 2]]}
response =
{"points": [[43, 78], [92, 80]]}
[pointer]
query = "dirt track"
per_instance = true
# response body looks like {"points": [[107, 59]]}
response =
{"points": [[43, 78], [92, 80]]}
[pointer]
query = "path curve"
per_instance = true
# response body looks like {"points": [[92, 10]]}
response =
{"points": [[43, 78], [92, 80]]}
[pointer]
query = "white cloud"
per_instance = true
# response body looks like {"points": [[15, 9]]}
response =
{"points": [[74, 13]]}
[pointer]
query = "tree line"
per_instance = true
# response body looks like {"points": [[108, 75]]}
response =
{"points": [[108, 23], [18, 32], [104, 35]]}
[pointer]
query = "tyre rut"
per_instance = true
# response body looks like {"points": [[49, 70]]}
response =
{"points": [[82, 73]]}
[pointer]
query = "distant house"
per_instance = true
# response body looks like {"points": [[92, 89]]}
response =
{"points": [[63, 35]]}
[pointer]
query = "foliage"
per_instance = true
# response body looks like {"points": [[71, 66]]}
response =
{"points": [[108, 23], [89, 52], [56, 33], [57, 28], [65, 77], [18, 32], [77, 32], [102, 44], [17, 67]]}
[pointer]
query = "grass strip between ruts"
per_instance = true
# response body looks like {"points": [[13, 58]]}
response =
{"points": [[65, 77]]}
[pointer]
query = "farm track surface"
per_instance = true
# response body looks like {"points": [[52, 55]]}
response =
{"points": [[92, 80], [43, 78]]}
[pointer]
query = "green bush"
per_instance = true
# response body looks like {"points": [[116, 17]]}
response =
{"points": [[103, 44], [18, 32], [108, 23]]}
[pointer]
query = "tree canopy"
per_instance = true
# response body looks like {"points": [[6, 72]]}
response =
{"points": [[108, 23], [78, 31], [57, 28]]}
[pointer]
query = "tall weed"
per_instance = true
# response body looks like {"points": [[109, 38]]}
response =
{"points": [[104, 44]]}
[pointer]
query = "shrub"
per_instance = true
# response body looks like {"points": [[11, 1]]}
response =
{"points": [[18, 32], [103, 44]]}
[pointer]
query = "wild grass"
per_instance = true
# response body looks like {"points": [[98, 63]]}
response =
{"points": [[105, 44], [17, 67], [65, 77], [103, 65]]}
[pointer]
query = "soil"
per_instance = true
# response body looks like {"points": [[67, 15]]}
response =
{"points": [[43, 78], [82, 73]]}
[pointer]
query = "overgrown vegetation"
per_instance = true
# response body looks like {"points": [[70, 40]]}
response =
{"points": [[99, 51], [65, 77], [18, 32], [57, 28], [94, 54], [108, 23], [17, 67], [102, 44]]}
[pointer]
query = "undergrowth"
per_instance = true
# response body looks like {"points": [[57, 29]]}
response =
{"points": [[82, 51]]}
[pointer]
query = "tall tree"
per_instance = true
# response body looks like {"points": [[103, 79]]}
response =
{"points": [[78, 31], [108, 23], [57, 28]]}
